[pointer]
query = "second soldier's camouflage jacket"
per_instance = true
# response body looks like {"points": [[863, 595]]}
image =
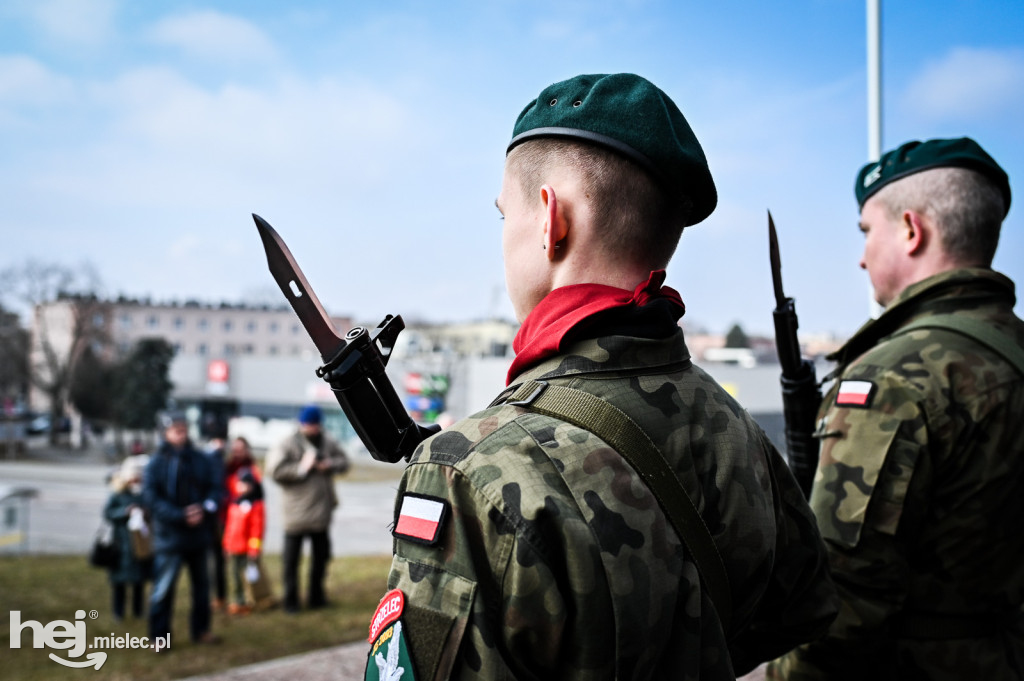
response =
{"points": [[919, 495], [554, 561]]}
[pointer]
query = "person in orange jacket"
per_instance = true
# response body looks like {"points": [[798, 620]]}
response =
{"points": [[246, 519]]}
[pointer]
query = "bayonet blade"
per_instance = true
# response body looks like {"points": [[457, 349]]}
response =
{"points": [[297, 290], [773, 251]]}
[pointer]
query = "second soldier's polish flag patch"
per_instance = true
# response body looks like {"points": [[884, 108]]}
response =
{"points": [[420, 518], [855, 394]]}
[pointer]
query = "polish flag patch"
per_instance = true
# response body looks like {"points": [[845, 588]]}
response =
{"points": [[420, 519], [855, 394]]}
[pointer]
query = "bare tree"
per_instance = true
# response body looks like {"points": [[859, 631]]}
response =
{"points": [[13, 358], [67, 317], [13, 378]]}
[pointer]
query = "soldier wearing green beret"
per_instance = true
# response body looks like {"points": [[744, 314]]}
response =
{"points": [[918, 491], [531, 544]]}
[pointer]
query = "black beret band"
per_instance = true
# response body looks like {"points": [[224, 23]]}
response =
{"points": [[596, 138]]}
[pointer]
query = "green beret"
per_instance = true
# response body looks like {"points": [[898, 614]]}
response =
{"points": [[630, 115], [913, 157]]}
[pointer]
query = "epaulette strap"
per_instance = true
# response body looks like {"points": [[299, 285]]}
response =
{"points": [[623, 434], [982, 333]]}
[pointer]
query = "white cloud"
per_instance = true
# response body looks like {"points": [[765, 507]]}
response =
{"points": [[157, 139], [74, 21], [970, 82], [290, 121], [208, 34], [24, 80]]}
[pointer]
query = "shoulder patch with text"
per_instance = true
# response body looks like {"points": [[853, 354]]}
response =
{"points": [[855, 394], [389, 656], [421, 519]]}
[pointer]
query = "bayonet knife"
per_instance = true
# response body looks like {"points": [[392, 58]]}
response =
{"points": [[353, 365], [296, 289], [801, 395]]}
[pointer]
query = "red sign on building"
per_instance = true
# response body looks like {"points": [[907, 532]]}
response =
{"points": [[217, 371]]}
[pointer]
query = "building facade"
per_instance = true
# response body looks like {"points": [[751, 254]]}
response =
{"points": [[213, 331], [255, 366]]}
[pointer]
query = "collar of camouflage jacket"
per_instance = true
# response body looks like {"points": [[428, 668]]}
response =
{"points": [[559, 318], [928, 296]]}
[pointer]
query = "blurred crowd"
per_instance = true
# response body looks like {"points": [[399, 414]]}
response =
{"points": [[201, 509]]}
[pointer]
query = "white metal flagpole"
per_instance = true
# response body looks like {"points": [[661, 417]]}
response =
{"points": [[874, 31], [874, 80]]}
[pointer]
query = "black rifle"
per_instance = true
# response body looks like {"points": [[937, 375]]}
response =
{"points": [[353, 365], [801, 395]]}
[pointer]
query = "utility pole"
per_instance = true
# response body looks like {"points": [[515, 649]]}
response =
{"points": [[874, 26], [874, 80]]}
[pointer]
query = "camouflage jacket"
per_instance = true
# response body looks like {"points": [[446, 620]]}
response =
{"points": [[554, 561], [919, 495]]}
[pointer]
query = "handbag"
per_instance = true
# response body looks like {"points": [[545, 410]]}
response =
{"points": [[104, 553], [142, 540], [257, 586]]}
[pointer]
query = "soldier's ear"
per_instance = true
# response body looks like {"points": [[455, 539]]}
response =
{"points": [[556, 224], [917, 232]]}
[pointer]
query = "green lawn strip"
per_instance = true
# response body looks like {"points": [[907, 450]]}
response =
{"points": [[49, 588]]}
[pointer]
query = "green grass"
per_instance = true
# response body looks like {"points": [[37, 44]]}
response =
{"points": [[47, 588]]}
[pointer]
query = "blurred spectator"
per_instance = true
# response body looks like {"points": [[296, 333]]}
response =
{"points": [[125, 512], [246, 518], [304, 465], [180, 489], [216, 430]]}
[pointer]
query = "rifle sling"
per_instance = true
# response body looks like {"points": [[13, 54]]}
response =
{"points": [[982, 333], [616, 428]]}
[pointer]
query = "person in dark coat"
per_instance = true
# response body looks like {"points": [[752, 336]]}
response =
{"points": [[182, 491], [124, 508], [215, 428]]}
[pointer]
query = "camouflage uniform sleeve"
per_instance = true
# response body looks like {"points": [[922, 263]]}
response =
{"points": [[485, 601], [799, 600], [868, 456]]}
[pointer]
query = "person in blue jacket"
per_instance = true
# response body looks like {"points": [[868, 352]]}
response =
{"points": [[182, 491]]}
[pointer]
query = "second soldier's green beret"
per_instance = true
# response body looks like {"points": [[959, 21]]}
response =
{"points": [[913, 157], [630, 115]]}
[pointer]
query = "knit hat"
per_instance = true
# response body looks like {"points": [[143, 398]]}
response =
{"points": [[311, 415]]}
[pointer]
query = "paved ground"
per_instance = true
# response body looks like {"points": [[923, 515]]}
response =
{"points": [[71, 490], [332, 664], [340, 663]]}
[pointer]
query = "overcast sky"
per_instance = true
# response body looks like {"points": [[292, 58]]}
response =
{"points": [[140, 136]]}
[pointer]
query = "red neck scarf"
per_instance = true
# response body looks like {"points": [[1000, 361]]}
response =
{"points": [[547, 329]]}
